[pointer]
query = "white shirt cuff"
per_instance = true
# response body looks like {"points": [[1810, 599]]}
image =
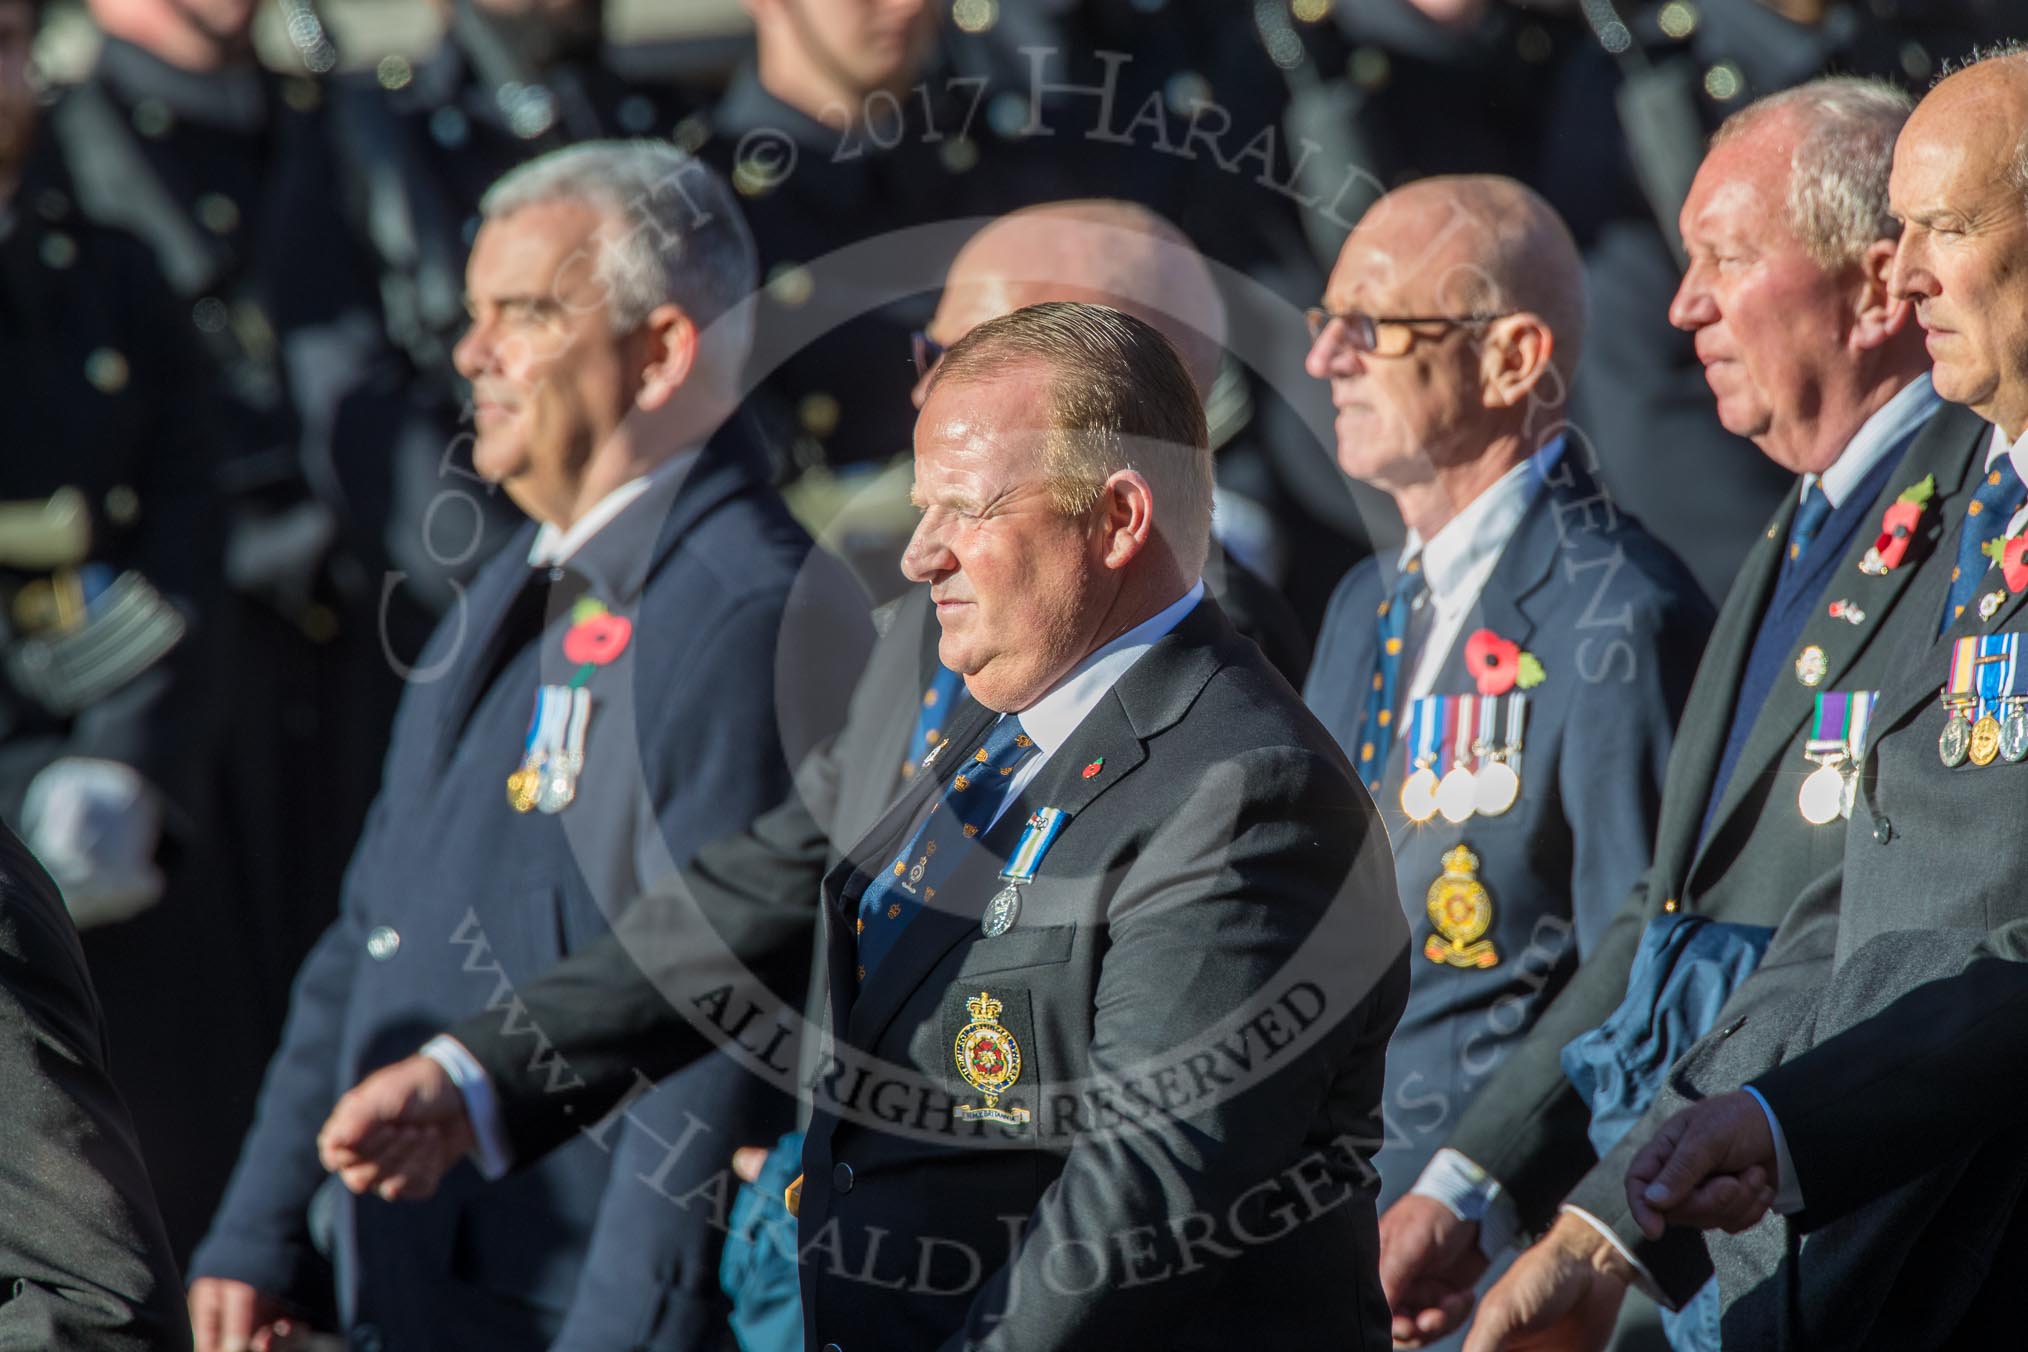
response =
{"points": [[1788, 1199], [490, 1154], [1471, 1194], [1642, 1277]]}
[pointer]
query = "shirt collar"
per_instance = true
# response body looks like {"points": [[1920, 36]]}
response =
{"points": [[553, 547], [1482, 529], [1051, 719], [234, 99], [1891, 425], [2019, 450]]}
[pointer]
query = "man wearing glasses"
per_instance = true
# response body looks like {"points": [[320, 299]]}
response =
{"points": [[1508, 682]]}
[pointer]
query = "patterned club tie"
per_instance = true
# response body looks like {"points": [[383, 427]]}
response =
{"points": [[1808, 521], [967, 807], [1986, 518], [1376, 727], [931, 718]]}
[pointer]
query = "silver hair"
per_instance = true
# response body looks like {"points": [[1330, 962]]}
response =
{"points": [[2013, 49], [1838, 172], [673, 234]]}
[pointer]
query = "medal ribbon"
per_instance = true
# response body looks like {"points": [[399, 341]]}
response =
{"points": [[1858, 720], [1458, 729], [1997, 664], [1964, 665], [1425, 731], [1833, 715], [1043, 829], [1517, 718], [579, 700]]}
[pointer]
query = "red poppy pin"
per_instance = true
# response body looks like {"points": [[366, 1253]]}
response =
{"points": [[598, 636], [2011, 557], [1498, 665], [1096, 766], [1897, 528]]}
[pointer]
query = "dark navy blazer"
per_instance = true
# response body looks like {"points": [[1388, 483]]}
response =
{"points": [[453, 899], [1618, 625]]}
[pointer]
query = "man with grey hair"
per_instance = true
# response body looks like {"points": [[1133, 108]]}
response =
{"points": [[1927, 862], [1812, 358], [643, 616]]}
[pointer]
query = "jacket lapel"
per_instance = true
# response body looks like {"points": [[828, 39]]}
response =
{"points": [[1695, 762], [1944, 447]]}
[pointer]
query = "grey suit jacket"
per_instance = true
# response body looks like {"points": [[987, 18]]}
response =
{"points": [[84, 1262], [1528, 1126], [1921, 883]]}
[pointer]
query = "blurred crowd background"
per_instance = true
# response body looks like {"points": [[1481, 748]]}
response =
{"points": [[233, 495]]}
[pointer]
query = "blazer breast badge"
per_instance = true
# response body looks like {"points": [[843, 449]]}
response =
{"points": [[989, 1059], [1462, 910]]}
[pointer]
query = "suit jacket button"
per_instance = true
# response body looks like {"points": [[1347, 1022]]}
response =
{"points": [[841, 1178], [1883, 830], [383, 943], [833, 1347]]}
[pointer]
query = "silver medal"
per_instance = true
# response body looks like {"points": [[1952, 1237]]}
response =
{"points": [[1497, 788], [1956, 740], [1418, 794], [1456, 794], [1001, 912], [1823, 795], [2014, 735]]}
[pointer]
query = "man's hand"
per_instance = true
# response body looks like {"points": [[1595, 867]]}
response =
{"points": [[229, 1316], [1710, 1167], [1564, 1293], [1429, 1263], [398, 1131]]}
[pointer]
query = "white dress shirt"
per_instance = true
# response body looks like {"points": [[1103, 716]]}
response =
{"points": [[555, 545], [1460, 558], [1049, 723]]}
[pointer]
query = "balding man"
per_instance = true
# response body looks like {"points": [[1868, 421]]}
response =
{"points": [[1812, 357], [1508, 684], [1109, 252], [1931, 867]]}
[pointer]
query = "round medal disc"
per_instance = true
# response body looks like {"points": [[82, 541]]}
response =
{"points": [[2014, 737], [1418, 794], [557, 791], [1985, 740], [1822, 797], [1955, 740], [1000, 912], [1455, 795], [1497, 788]]}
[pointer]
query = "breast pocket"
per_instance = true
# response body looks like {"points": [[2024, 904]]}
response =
{"points": [[1018, 948]]}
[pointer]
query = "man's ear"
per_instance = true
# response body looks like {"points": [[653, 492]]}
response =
{"points": [[1126, 508], [1879, 313], [1513, 358], [668, 355]]}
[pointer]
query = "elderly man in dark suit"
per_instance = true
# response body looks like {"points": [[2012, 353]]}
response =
{"points": [[1812, 357], [1111, 981], [83, 1257], [1929, 865], [1508, 684], [644, 620]]}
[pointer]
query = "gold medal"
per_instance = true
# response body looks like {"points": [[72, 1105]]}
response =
{"points": [[1823, 795], [1985, 740], [524, 786], [1418, 794]]}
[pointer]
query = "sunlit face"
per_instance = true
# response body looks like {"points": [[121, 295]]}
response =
{"points": [[1768, 321], [550, 379], [1963, 256], [17, 89], [1019, 587], [868, 44], [1397, 415]]}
